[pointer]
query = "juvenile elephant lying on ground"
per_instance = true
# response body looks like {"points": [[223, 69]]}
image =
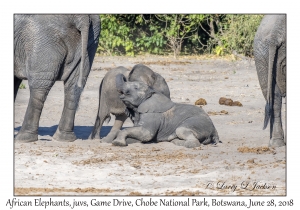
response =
{"points": [[160, 119], [110, 103]]}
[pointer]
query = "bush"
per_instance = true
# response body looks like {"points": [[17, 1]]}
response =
{"points": [[174, 33], [238, 33]]}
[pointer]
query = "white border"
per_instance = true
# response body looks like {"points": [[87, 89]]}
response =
{"points": [[140, 7]]}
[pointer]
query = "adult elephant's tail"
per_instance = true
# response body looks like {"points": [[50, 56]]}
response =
{"points": [[269, 102], [83, 25]]}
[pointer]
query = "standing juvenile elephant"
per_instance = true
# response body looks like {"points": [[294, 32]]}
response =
{"points": [[110, 103], [49, 48], [270, 61]]}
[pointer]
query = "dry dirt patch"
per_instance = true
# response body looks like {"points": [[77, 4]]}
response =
{"points": [[86, 167], [257, 150]]}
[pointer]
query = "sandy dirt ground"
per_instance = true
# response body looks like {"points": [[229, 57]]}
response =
{"points": [[241, 165]]}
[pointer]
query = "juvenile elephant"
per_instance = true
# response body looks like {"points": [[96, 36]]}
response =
{"points": [[270, 60], [110, 103], [160, 119], [48, 48]]}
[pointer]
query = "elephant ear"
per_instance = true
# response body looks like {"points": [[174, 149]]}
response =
{"points": [[157, 103], [120, 80]]}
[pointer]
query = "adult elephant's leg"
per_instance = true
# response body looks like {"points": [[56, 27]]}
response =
{"points": [[65, 130], [276, 131], [119, 121], [29, 130], [17, 83]]}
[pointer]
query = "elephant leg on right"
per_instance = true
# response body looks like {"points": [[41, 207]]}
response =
{"points": [[119, 121], [276, 131], [65, 130]]}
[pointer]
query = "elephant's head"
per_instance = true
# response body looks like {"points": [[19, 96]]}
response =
{"points": [[132, 93], [142, 73]]}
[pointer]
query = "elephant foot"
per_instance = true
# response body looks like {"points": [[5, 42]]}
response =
{"points": [[107, 139], [23, 137], [278, 142], [132, 141], [64, 136], [178, 142], [94, 138], [192, 143], [119, 142], [110, 137]]}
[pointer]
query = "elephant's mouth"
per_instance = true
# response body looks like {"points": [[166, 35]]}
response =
{"points": [[129, 104]]}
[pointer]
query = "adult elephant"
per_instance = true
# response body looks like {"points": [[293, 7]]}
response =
{"points": [[48, 48], [270, 61], [110, 102]]}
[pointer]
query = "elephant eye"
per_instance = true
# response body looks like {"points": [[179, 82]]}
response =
{"points": [[127, 92]]}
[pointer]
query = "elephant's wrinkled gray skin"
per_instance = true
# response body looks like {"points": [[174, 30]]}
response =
{"points": [[270, 60], [160, 119], [110, 103], [48, 48]]}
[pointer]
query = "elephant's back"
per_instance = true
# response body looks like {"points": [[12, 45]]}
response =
{"points": [[46, 34], [109, 93], [272, 30]]}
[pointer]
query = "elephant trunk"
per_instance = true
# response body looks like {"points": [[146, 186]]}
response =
{"points": [[120, 80]]}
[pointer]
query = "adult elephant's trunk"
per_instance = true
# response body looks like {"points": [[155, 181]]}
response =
{"points": [[120, 80]]}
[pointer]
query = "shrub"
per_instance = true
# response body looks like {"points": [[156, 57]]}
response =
{"points": [[132, 34]]}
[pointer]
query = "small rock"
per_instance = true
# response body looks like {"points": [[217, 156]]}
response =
{"points": [[228, 102], [222, 100], [237, 103], [201, 101]]}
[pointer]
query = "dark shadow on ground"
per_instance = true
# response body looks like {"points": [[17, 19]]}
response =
{"points": [[81, 132]]}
